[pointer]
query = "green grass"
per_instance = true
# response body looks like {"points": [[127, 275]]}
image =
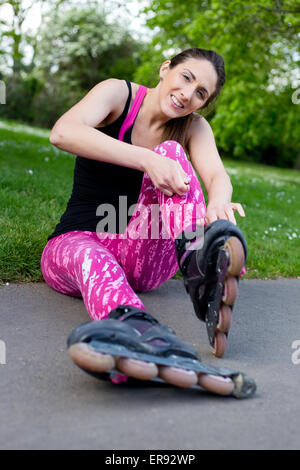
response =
{"points": [[36, 182]]}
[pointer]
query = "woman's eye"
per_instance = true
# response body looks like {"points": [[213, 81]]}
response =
{"points": [[186, 77]]}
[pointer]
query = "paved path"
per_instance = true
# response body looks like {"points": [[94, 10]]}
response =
{"points": [[48, 403]]}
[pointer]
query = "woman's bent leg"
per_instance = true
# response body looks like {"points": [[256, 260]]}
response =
{"points": [[77, 264], [149, 254], [180, 212]]}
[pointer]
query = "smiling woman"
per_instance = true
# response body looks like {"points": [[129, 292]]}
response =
{"points": [[209, 83], [132, 143]]}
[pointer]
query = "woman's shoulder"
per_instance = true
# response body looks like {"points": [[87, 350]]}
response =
{"points": [[134, 87], [195, 123], [198, 126], [122, 85], [119, 89]]}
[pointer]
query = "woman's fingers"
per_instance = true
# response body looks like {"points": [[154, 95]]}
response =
{"points": [[234, 206], [230, 215], [181, 171], [224, 211], [209, 219], [212, 215], [170, 178], [238, 207], [181, 181], [175, 189], [167, 193]]}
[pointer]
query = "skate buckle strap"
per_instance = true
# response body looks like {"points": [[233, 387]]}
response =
{"points": [[173, 345], [124, 312], [169, 343]]}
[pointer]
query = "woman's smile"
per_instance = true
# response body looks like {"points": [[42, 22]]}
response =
{"points": [[176, 103]]}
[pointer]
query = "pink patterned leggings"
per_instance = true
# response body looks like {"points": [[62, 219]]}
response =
{"points": [[106, 269]]}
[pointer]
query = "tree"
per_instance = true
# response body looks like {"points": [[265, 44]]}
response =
{"points": [[259, 42], [12, 34], [80, 48], [75, 49]]}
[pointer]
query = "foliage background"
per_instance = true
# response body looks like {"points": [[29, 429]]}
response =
{"points": [[78, 44]]}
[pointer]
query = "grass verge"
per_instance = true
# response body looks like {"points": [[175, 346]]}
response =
{"points": [[36, 182]]}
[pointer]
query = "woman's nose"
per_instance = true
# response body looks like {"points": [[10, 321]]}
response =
{"points": [[186, 94]]}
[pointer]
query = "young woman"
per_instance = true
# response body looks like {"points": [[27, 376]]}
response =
{"points": [[132, 145]]}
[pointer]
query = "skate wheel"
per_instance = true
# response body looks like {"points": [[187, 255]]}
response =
{"points": [[220, 344], [236, 255], [230, 290], [177, 377], [137, 369], [225, 319], [88, 359], [216, 384]]}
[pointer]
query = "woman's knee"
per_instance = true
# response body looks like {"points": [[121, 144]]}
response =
{"points": [[170, 148], [175, 151]]}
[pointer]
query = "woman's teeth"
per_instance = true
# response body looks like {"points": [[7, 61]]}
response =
{"points": [[176, 102]]}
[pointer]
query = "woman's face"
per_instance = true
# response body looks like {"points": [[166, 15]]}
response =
{"points": [[186, 88]]}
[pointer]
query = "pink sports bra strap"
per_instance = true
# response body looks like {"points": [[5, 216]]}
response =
{"points": [[129, 120]]}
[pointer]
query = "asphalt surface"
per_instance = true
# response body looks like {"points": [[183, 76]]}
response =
{"points": [[49, 403]]}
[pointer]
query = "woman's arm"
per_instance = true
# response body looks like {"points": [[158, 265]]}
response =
{"points": [[74, 132], [208, 164]]}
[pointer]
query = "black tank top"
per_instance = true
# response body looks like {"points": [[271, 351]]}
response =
{"points": [[98, 183]]}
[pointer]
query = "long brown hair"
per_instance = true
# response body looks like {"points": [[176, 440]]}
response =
{"points": [[177, 128]]}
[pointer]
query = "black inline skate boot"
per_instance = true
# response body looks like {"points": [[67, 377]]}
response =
{"points": [[131, 333], [211, 262]]}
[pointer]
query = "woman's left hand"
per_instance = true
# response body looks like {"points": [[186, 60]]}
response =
{"points": [[223, 211]]}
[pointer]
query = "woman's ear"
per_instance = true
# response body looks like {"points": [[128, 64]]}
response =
{"points": [[163, 68]]}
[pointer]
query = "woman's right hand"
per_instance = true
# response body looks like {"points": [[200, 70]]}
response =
{"points": [[166, 174]]}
